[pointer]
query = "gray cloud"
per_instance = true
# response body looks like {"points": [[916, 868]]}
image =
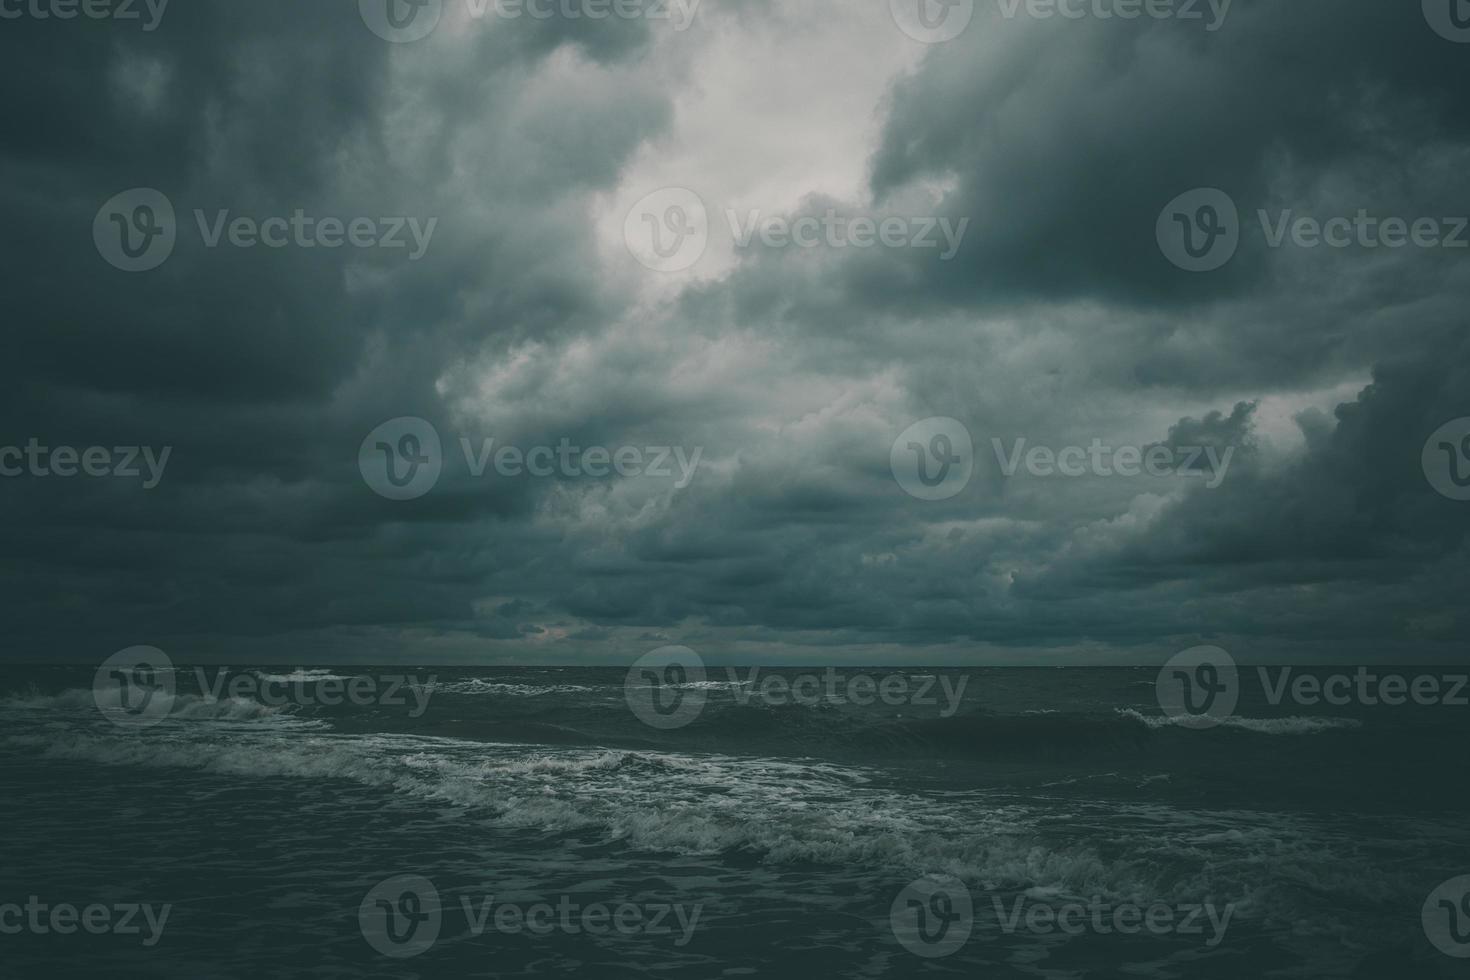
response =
{"points": [[793, 371]]}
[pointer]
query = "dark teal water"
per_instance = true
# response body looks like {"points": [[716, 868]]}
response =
{"points": [[791, 828]]}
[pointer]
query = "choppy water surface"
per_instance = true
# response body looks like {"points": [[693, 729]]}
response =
{"points": [[779, 839]]}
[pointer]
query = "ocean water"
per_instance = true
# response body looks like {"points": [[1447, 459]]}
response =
{"points": [[1010, 832]]}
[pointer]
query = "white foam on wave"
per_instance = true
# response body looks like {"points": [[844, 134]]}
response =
{"points": [[300, 677], [522, 689], [77, 703], [189, 707], [1291, 725], [782, 811], [479, 685]]}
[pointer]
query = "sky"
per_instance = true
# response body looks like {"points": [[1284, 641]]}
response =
{"points": [[791, 331]]}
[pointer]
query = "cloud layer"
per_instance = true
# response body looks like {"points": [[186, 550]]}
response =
{"points": [[1059, 321]]}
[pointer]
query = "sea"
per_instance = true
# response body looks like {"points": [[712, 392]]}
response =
{"points": [[426, 822]]}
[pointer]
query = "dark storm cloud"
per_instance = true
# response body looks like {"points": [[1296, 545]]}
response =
{"points": [[1059, 321], [263, 368], [1357, 494], [1068, 138]]}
